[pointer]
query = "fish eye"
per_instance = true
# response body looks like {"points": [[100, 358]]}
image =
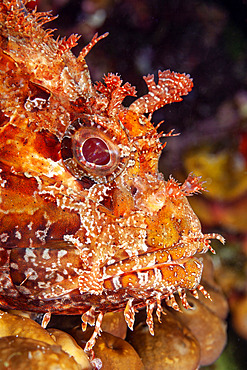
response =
{"points": [[95, 150], [92, 150]]}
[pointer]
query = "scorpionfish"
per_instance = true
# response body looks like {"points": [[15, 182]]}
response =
{"points": [[88, 224]]}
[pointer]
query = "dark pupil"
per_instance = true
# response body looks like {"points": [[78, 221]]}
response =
{"points": [[95, 151]]}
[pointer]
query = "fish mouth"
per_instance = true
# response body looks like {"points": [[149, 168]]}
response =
{"points": [[161, 270], [154, 272], [177, 254]]}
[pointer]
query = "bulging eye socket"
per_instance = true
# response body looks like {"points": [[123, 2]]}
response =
{"points": [[79, 141], [114, 140]]}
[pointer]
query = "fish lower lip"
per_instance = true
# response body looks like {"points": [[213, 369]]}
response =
{"points": [[164, 277], [144, 262]]}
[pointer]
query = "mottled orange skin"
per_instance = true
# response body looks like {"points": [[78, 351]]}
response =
{"points": [[77, 239]]}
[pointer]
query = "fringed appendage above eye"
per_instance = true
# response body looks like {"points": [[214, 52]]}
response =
{"points": [[92, 147]]}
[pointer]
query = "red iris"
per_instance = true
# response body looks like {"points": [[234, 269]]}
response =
{"points": [[96, 151]]}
